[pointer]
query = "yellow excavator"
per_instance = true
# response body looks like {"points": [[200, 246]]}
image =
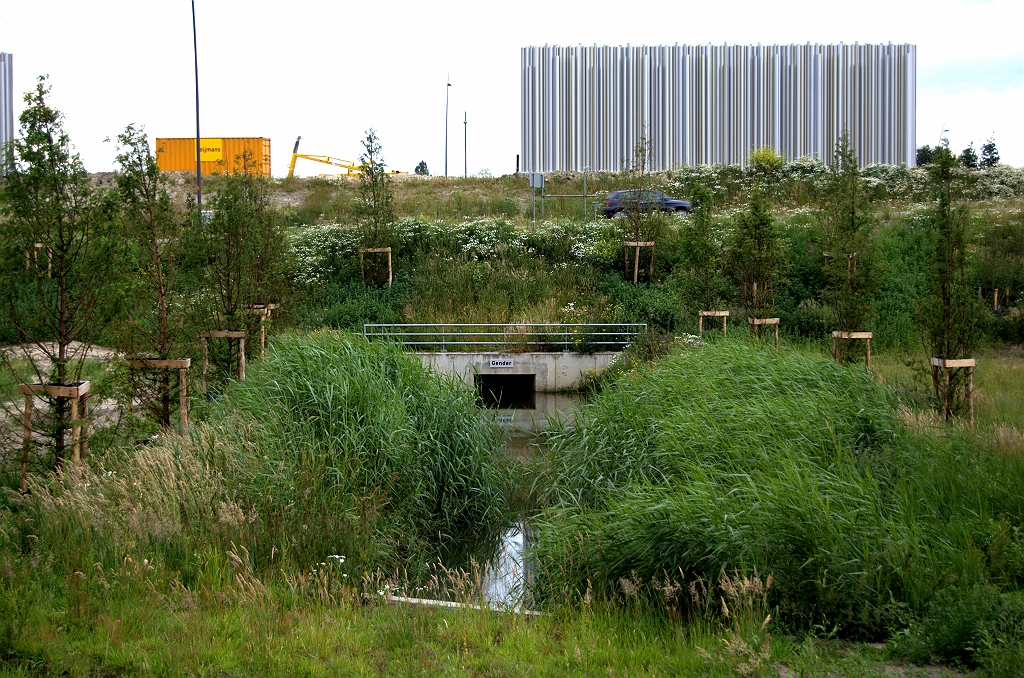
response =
{"points": [[350, 167]]}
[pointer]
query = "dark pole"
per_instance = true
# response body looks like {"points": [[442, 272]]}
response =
{"points": [[449, 77], [465, 144], [199, 172]]}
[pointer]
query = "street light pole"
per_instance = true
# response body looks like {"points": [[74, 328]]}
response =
{"points": [[447, 78], [199, 173], [465, 145]]}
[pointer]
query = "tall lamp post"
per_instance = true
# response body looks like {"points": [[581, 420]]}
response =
{"points": [[465, 145], [199, 173], [447, 78]]}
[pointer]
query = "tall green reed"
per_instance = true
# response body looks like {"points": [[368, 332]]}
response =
{"points": [[735, 457]]}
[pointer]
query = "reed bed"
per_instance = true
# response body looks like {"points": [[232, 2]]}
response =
{"points": [[332, 447], [734, 457]]}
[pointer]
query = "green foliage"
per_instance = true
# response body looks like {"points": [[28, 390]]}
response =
{"points": [[756, 254], [47, 201], [949, 314], [375, 209], [966, 625], [155, 316], [846, 222], [989, 154], [766, 170], [58, 248], [641, 222], [969, 157], [348, 422], [421, 169], [703, 245], [331, 446], [905, 248], [240, 254], [924, 155], [349, 306], [728, 457]]}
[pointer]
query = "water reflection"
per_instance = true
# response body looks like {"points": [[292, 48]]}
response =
{"points": [[508, 568], [527, 415]]}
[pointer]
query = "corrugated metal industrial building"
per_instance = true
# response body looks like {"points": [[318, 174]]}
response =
{"points": [[586, 107], [6, 100]]}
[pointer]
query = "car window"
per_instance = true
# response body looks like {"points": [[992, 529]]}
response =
{"points": [[649, 195]]}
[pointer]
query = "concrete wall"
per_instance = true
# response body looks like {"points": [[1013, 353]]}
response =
{"points": [[553, 371]]}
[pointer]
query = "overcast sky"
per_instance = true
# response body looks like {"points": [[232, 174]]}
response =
{"points": [[329, 71]]}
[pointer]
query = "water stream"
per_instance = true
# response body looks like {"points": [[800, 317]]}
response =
{"points": [[507, 569]]}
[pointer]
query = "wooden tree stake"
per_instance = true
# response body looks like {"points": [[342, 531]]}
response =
{"points": [[79, 425], [182, 365], [636, 258], [223, 334], [27, 444], [264, 311], [724, 315], [866, 336], [756, 324], [946, 365]]}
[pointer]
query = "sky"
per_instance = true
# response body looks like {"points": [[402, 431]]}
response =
{"points": [[328, 71]]}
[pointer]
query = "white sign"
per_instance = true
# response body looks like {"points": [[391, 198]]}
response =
{"points": [[536, 180], [501, 362]]}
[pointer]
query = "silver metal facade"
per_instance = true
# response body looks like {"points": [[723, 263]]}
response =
{"points": [[586, 107], [6, 100]]}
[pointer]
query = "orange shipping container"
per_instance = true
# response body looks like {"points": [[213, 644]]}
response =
{"points": [[217, 155]]}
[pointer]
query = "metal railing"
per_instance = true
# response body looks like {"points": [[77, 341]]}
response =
{"points": [[509, 337]]}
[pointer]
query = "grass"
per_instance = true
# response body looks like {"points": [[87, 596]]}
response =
{"points": [[998, 379], [210, 554], [734, 457], [174, 636], [331, 446]]}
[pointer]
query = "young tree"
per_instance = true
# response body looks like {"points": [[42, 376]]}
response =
{"points": [[643, 223], [756, 255], [65, 235], [845, 221], [702, 243], [375, 207], [949, 316], [924, 155], [241, 249], [155, 313], [989, 154], [421, 169], [969, 157]]}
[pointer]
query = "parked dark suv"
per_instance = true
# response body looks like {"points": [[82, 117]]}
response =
{"points": [[619, 201]]}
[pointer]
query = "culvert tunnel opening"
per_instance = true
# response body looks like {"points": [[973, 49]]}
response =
{"points": [[507, 391]]}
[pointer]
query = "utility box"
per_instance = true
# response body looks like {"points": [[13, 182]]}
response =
{"points": [[217, 155]]}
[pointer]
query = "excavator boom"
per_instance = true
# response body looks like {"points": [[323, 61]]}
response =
{"points": [[347, 165]]}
